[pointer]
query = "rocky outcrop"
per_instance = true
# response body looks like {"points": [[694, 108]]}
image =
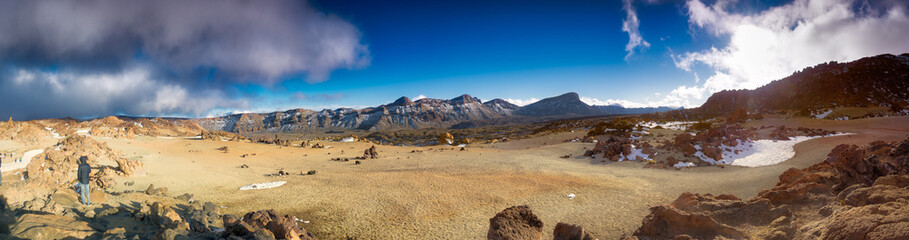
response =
{"points": [[446, 138], [267, 224], [56, 168], [514, 223], [855, 193], [370, 153]]}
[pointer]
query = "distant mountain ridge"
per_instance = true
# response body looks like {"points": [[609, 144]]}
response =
{"points": [[405, 113]]}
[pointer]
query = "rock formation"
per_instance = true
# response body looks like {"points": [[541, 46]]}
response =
{"points": [[514, 223], [855, 193]]}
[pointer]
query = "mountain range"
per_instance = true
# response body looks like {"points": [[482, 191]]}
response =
{"points": [[405, 113]]}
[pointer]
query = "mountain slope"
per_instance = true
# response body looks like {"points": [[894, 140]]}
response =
{"points": [[400, 114], [563, 105], [881, 80]]}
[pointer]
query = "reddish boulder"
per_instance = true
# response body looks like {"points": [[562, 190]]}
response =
{"points": [[513, 223]]}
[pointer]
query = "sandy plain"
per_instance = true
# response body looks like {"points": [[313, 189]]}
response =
{"points": [[450, 194]]}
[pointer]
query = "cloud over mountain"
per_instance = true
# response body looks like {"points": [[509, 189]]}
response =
{"points": [[162, 56], [771, 44]]}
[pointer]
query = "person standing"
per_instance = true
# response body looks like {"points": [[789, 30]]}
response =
{"points": [[84, 171]]}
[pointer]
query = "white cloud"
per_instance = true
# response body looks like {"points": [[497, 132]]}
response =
{"points": [[630, 25], [774, 43], [607, 102], [521, 102], [419, 97], [133, 91], [255, 42]]}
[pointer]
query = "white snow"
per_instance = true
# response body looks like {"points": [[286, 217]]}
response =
{"points": [[758, 153], [571, 196], [684, 164], [83, 131], [56, 135], [255, 186], [462, 145], [635, 153], [823, 114], [348, 139], [678, 125], [26, 158]]}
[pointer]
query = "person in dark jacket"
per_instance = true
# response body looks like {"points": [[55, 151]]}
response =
{"points": [[84, 171]]}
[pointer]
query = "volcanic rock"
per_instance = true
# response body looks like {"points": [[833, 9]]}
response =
{"points": [[564, 231], [516, 222]]}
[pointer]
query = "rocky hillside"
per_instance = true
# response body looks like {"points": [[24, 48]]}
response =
{"points": [[400, 114], [405, 113], [879, 81], [856, 193], [565, 104]]}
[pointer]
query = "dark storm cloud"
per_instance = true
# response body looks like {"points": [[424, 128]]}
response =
{"points": [[147, 57]]}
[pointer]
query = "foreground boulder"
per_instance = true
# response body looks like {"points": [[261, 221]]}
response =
{"points": [[855, 193], [564, 231], [267, 224], [516, 222]]}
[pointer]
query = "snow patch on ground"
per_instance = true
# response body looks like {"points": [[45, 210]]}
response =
{"points": [[684, 164], [348, 139], [758, 153], [635, 153], [823, 114], [256, 186], [56, 135], [678, 125]]}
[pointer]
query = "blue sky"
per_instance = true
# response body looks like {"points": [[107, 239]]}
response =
{"points": [[213, 57], [506, 49]]}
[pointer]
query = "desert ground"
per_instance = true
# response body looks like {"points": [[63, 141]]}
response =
{"points": [[440, 192]]}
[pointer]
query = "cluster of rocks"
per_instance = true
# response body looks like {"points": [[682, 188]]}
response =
{"points": [[615, 148], [264, 225], [272, 140], [855, 193], [370, 153], [218, 135], [785, 133], [519, 222]]}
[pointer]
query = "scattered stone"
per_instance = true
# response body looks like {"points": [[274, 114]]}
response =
{"points": [[244, 166], [311, 172]]}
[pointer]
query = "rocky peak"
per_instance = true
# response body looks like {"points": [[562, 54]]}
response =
{"points": [[464, 99], [501, 103], [403, 101]]}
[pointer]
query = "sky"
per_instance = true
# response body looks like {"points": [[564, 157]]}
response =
{"points": [[205, 58]]}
